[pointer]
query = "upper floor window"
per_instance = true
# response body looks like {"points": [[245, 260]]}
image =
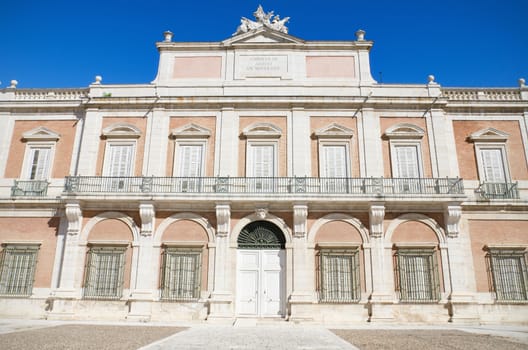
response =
{"points": [[40, 149], [406, 150], [490, 151], [189, 156], [262, 155], [120, 150]]}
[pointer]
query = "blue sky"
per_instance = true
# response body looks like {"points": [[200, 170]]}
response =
{"points": [[66, 43]]}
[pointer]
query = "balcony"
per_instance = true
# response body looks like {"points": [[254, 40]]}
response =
{"points": [[498, 190], [29, 188], [291, 186]]}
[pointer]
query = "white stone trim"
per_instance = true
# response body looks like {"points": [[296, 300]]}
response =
{"points": [[479, 146], [489, 135], [36, 143], [262, 130], [404, 131], [394, 143], [280, 223], [121, 130], [157, 238], [135, 230], [40, 134], [437, 229], [334, 130], [192, 131], [338, 217], [107, 166]]}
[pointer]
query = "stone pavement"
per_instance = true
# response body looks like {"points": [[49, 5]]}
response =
{"points": [[287, 336]]}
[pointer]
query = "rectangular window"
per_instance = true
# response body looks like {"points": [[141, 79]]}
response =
{"points": [[181, 274], [493, 165], [417, 275], [39, 162], [407, 162], [261, 166], [190, 167], [17, 269], [334, 168], [104, 272], [510, 278], [119, 161], [339, 276]]}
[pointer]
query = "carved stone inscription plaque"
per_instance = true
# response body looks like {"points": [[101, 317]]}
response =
{"points": [[262, 66]]}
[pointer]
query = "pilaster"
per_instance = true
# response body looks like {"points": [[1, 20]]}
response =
{"points": [[371, 147], [221, 300], [155, 160], [227, 161], [91, 140], [300, 143]]}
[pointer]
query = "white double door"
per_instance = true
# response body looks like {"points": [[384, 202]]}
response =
{"points": [[260, 282]]}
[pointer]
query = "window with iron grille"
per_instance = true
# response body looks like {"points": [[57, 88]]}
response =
{"points": [[181, 274], [17, 269], [339, 275], [510, 277], [104, 272], [417, 273]]}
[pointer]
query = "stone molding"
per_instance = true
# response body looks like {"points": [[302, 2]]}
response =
{"points": [[147, 213], [452, 215], [223, 219], [300, 214], [376, 216], [74, 215]]}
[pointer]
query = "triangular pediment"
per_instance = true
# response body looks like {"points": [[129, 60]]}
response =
{"points": [[490, 135], [334, 130], [40, 134], [263, 36], [190, 131], [404, 131]]}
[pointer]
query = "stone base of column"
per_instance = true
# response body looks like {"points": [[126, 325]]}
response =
{"points": [[221, 308], [301, 307], [61, 308], [380, 308], [463, 309], [139, 310]]}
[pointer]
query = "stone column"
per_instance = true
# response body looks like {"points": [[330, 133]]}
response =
{"points": [[303, 271], [221, 301], [91, 140], [142, 284], [371, 144], [382, 296], [459, 265], [71, 267]]}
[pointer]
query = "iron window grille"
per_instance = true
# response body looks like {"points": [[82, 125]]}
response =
{"points": [[509, 274], [417, 275], [17, 269], [104, 272], [340, 281], [181, 274]]}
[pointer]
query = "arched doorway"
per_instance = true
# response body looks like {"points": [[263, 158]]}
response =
{"points": [[261, 270]]}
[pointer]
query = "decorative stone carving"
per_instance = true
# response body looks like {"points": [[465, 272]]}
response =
{"points": [[376, 216], [147, 213], [74, 215], [261, 213], [452, 217], [300, 213], [223, 219], [268, 20]]}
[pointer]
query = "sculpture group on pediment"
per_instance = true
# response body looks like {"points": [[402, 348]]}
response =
{"points": [[268, 20]]}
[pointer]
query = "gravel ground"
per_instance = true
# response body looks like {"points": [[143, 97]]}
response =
{"points": [[85, 337], [425, 340]]}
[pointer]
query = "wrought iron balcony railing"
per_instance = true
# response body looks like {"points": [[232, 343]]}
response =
{"points": [[29, 188], [264, 185], [498, 190]]}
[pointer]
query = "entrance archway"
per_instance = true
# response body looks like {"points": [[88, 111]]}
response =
{"points": [[261, 270]]}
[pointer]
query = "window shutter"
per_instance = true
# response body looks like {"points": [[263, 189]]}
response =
{"points": [[120, 158], [263, 160], [407, 162], [335, 162], [493, 165], [40, 159], [191, 160]]}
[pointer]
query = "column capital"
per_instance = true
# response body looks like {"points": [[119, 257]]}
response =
{"points": [[376, 216], [223, 219], [147, 213], [452, 215], [300, 214], [74, 215]]}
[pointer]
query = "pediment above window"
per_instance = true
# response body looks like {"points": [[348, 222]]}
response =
{"points": [[122, 130], [262, 130], [190, 131], [263, 35], [489, 135], [334, 131], [404, 131], [40, 134]]}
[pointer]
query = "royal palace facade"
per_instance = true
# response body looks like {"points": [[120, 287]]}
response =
{"points": [[265, 176]]}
